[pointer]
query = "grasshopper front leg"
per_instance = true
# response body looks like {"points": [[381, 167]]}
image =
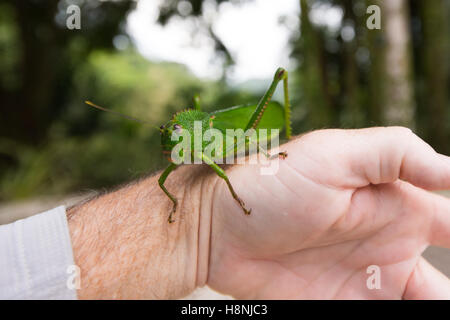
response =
{"points": [[161, 181], [283, 154], [223, 175]]}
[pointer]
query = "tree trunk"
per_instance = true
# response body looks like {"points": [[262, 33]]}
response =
{"points": [[314, 74], [397, 92], [436, 55], [352, 115], [376, 42]]}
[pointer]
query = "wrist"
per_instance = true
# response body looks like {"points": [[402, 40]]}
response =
{"points": [[125, 247]]}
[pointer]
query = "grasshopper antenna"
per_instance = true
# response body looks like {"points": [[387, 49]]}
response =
{"points": [[119, 114]]}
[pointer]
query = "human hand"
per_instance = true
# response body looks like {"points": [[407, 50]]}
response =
{"points": [[341, 201]]}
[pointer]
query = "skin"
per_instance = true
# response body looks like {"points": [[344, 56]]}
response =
{"points": [[341, 201]]}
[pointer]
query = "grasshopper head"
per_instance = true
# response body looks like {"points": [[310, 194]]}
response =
{"points": [[166, 131], [182, 123]]}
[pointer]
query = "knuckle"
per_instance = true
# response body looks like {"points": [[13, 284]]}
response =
{"points": [[401, 131]]}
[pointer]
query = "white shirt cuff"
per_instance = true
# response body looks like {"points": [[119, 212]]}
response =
{"points": [[36, 258]]}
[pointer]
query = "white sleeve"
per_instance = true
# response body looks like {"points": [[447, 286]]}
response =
{"points": [[36, 257]]}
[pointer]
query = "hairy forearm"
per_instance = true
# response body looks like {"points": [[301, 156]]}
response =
{"points": [[125, 247]]}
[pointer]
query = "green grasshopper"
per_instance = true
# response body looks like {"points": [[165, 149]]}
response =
{"points": [[239, 117]]}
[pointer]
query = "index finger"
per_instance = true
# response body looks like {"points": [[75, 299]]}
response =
{"points": [[356, 158]]}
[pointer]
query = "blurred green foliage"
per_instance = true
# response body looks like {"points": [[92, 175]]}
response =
{"points": [[86, 148], [51, 142]]}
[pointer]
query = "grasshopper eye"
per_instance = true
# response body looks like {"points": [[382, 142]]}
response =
{"points": [[177, 127]]}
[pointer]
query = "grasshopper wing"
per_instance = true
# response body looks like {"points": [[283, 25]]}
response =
{"points": [[238, 117]]}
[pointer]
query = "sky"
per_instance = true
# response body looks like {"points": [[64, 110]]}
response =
{"points": [[252, 32]]}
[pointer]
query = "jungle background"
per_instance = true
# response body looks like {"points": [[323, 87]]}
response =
{"points": [[348, 77]]}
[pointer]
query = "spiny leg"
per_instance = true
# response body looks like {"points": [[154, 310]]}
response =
{"points": [[223, 175], [161, 181], [287, 106], [280, 74]]}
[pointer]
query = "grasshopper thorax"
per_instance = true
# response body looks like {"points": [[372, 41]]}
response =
{"points": [[183, 124]]}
